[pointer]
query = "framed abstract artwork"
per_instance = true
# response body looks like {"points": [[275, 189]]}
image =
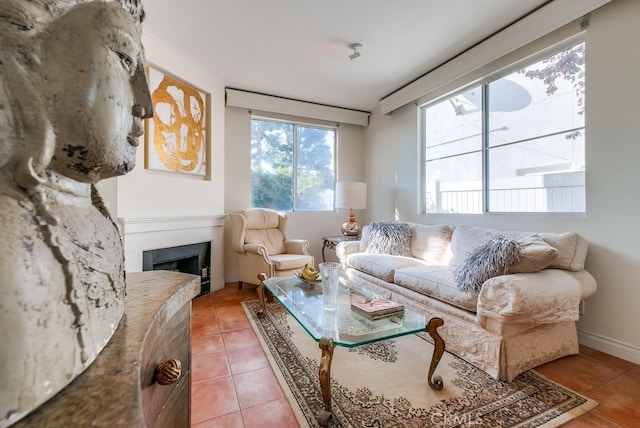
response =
{"points": [[177, 136]]}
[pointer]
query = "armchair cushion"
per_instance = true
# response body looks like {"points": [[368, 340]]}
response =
{"points": [[264, 226], [257, 218], [290, 261], [271, 239]]}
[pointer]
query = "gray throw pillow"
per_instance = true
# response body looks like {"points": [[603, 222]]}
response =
{"points": [[389, 238], [490, 259]]}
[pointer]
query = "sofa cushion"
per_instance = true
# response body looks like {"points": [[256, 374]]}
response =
{"points": [[364, 238], [382, 266], [465, 239], [571, 247], [389, 238], [437, 282], [535, 255], [491, 258], [430, 242], [572, 250]]}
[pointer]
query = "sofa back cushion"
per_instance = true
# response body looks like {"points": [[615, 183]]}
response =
{"points": [[535, 255], [365, 237], [465, 239], [430, 242], [571, 248]]}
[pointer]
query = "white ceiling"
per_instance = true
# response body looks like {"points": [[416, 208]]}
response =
{"points": [[300, 48]]}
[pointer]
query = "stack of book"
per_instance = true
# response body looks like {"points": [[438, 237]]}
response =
{"points": [[378, 308]]}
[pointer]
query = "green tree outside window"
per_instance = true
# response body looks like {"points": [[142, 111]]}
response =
{"points": [[292, 166]]}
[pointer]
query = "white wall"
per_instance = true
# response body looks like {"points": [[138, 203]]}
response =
{"points": [[146, 194], [153, 197], [307, 225], [613, 180]]}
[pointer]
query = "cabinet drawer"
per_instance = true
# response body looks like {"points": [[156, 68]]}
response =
{"points": [[168, 338], [177, 410]]}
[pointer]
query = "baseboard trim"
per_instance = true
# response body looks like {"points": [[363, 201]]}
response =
{"points": [[231, 278], [609, 346]]}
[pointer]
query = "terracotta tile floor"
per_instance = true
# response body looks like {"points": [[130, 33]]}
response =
{"points": [[234, 386], [232, 382]]}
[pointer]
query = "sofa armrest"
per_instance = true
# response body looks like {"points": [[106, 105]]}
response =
{"points": [[544, 297], [344, 248], [296, 246]]}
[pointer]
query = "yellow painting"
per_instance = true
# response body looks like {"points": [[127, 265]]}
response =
{"points": [[176, 138]]}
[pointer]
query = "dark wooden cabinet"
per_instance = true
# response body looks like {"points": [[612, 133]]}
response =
{"points": [[119, 388], [169, 339]]}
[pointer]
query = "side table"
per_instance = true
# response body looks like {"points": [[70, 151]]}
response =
{"points": [[330, 242]]}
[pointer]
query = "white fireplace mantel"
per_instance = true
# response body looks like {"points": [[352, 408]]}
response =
{"points": [[142, 234]]}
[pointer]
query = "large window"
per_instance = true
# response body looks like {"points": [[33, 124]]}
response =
{"points": [[292, 166], [512, 144]]}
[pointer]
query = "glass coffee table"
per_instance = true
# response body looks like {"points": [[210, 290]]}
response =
{"points": [[344, 327]]}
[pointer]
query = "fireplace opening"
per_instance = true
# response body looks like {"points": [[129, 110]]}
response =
{"points": [[192, 258]]}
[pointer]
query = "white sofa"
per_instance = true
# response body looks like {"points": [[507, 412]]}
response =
{"points": [[515, 322]]}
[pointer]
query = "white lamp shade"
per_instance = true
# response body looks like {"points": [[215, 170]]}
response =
{"points": [[351, 194]]}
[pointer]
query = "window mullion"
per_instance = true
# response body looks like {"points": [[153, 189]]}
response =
{"points": [[485, 148], [294, 185]]}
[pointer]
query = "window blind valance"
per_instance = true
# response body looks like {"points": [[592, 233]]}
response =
{"points": [[273, 104], [533, 26]]}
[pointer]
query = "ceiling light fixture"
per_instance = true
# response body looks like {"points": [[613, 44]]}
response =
{"points": [[355, 53]]}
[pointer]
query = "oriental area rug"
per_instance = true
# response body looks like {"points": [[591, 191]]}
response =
{"points": [[384, 384]]}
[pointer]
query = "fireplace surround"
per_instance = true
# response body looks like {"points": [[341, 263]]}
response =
{"points": [[144, 234], [190, 258]]}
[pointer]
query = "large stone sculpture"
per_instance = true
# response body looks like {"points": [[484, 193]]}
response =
{"points": [[73, 96]]}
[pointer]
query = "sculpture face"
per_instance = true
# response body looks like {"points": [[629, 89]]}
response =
{"points": [[96, 91], [78, 94]]}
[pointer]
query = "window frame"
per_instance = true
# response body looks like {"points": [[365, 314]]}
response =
{"points": [[297, 124], [490, 73]]}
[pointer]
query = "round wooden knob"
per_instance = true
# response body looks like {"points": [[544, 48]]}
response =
{"points": [[168, 372]]}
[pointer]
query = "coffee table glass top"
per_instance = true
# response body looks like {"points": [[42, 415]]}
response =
{"points": [[346, 327]]}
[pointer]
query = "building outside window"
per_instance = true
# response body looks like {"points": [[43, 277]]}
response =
{"points": [[292, 165], [514, 143]]}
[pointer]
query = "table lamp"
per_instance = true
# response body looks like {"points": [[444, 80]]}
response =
{"points": [[352, 195]]}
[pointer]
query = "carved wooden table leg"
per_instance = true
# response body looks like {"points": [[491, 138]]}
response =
{"points": [[326, 345], [438, 351], [260, 291]]}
